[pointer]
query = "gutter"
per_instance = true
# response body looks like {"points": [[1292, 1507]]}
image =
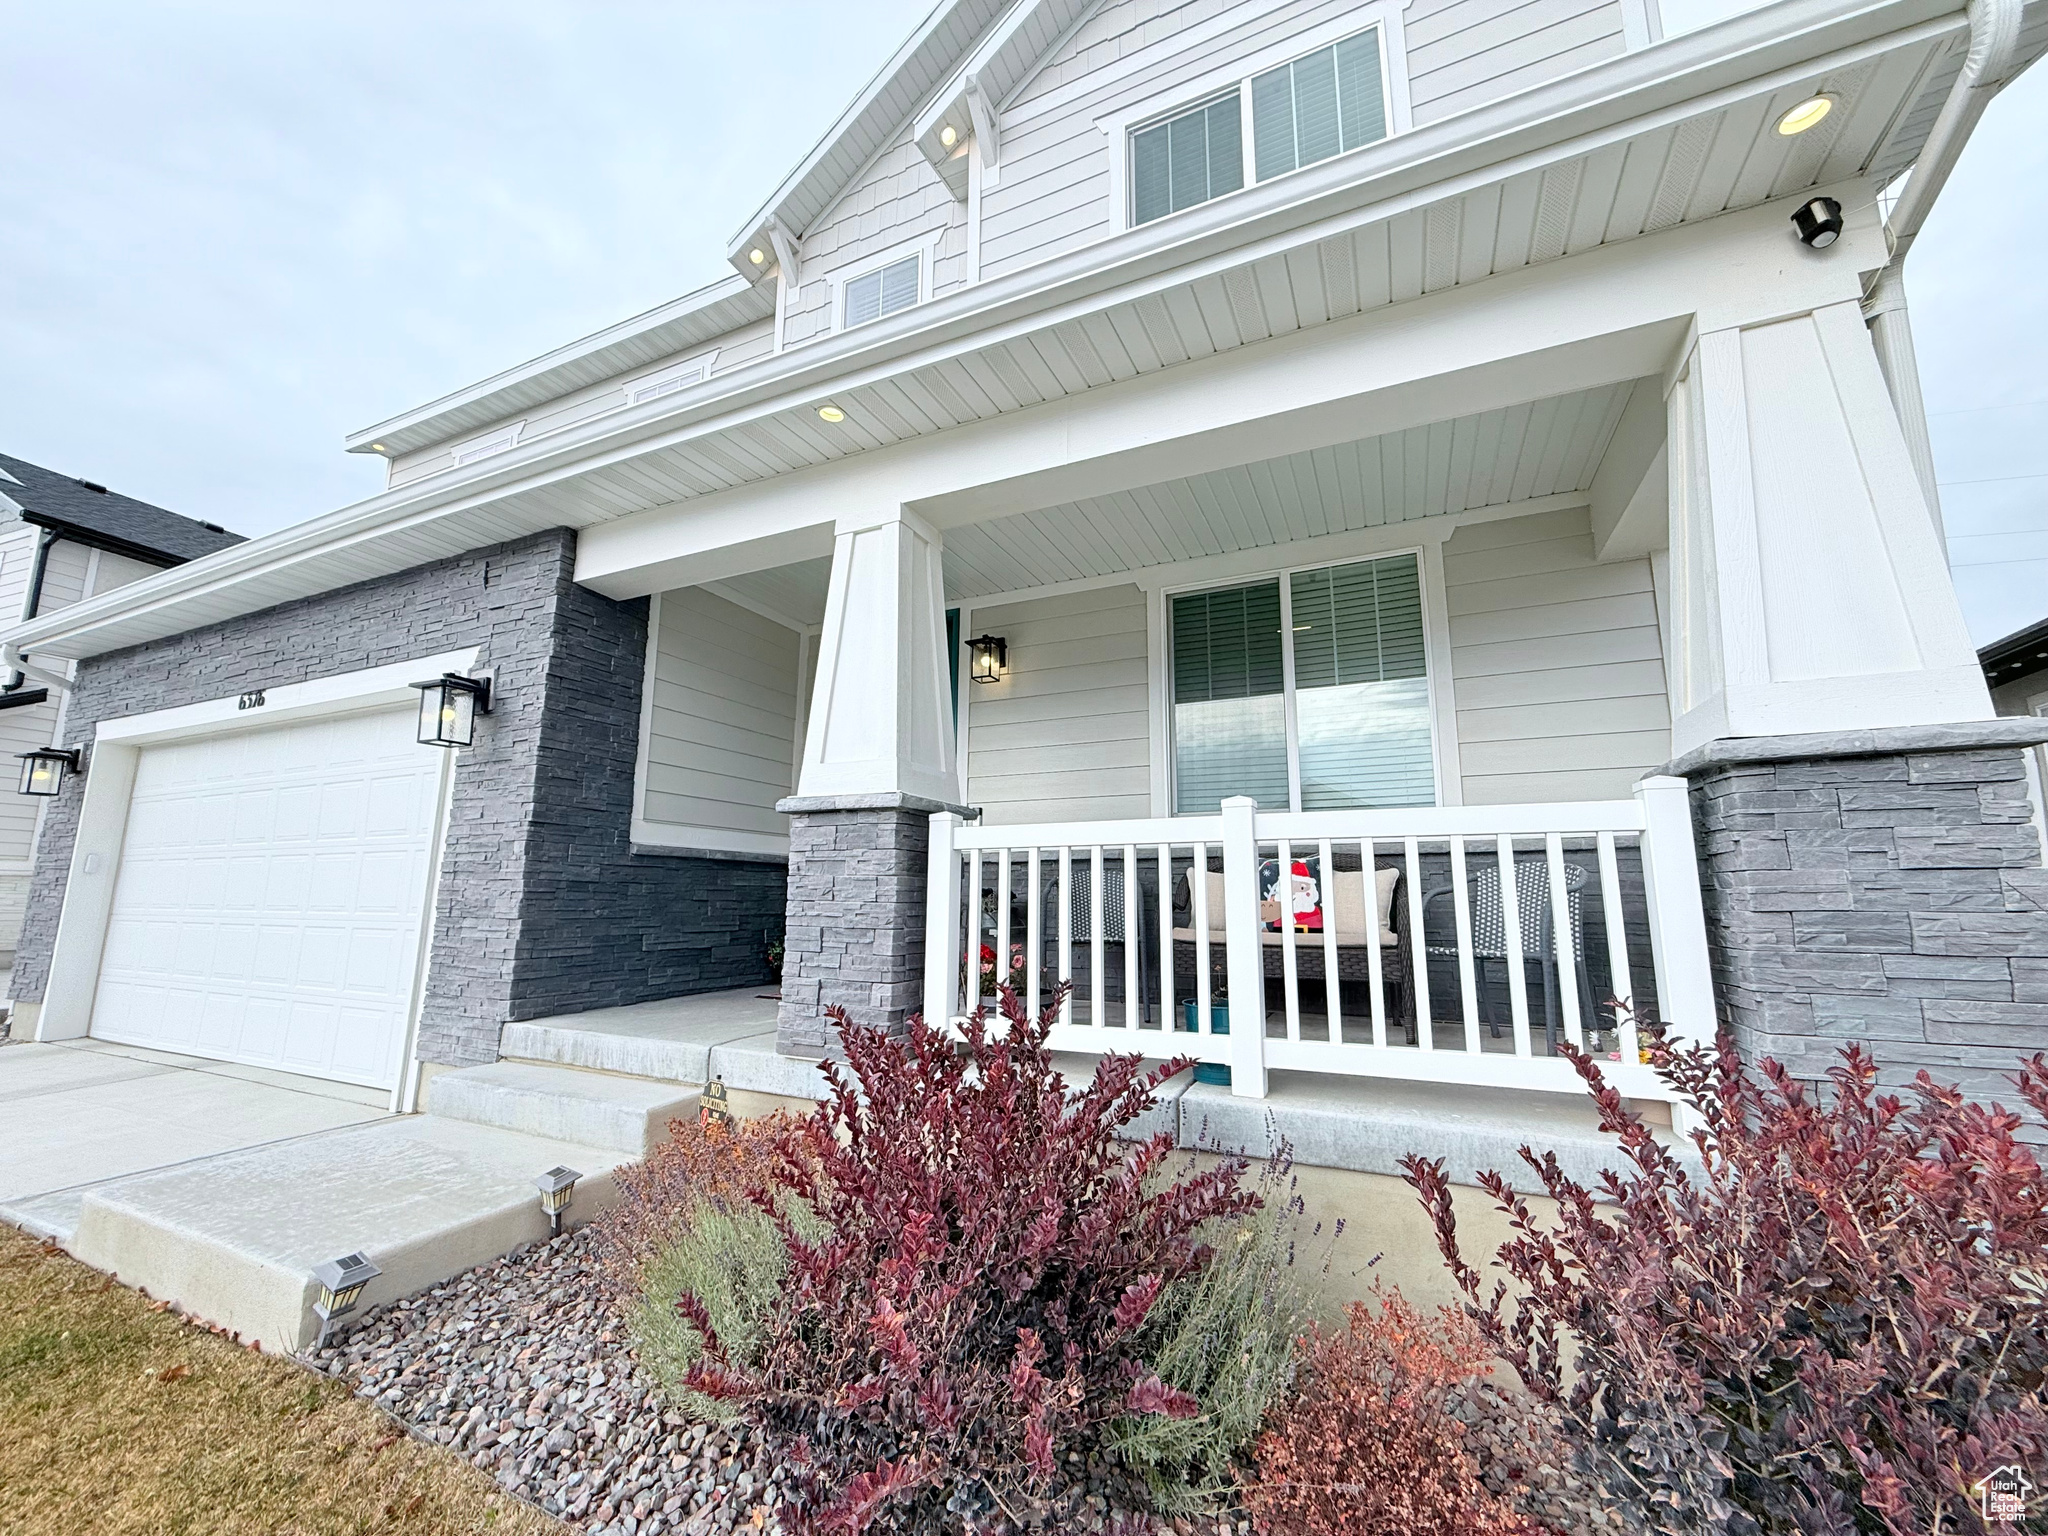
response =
{"points": [[18, 669], [1994, 40]]}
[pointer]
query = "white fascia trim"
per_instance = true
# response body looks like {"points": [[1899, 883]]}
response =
{"points": [[342, 693], [724, 289], [924, 247], [1635, 93]]}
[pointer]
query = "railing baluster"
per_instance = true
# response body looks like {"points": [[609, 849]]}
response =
{"points": [[1034, 936], [1165, 932], [1376, 987], [1132, 907], [1290, 980], [1096, 1007], [974, 993], [1563, 941], [1461, 904], [1616, 922], [1511, 941], [1425, 1023], [1065, 919], [1198, 891], [1333, 1003], [1002, 919]]}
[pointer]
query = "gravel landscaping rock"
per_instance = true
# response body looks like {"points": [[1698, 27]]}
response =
{"points": [[523, 1368]]}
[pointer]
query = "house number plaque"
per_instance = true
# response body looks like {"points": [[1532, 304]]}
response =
{"points": [[250, 700]]}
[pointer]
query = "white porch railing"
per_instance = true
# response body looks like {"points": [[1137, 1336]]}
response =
{"points": [[1602, 896]]}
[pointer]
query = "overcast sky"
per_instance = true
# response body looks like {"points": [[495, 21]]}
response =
{"points": [[230, 233]]}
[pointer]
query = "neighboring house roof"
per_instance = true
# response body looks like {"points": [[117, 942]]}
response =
{"points": [[2020, 654], [96, 515]]}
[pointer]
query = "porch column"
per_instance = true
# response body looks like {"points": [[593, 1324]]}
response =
{"points": [[878, 761], [1869, 866]]}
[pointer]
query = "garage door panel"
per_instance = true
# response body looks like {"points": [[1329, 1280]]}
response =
{"points": [[271, 894]]}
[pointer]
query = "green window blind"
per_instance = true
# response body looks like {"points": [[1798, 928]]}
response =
{"points": [[1229, 711], [1361, 686], [1186, 160], [1319, 106]]}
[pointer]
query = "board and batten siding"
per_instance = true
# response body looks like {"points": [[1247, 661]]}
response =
{"points": [[1066, 734], [1466, 53], [721, 723], [897, 199], [1556, 665]]}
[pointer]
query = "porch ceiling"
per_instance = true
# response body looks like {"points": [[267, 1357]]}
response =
{"points": [[1495, 458]]}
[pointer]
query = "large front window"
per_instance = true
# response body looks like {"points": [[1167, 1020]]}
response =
{"points": [[1308, 692]]}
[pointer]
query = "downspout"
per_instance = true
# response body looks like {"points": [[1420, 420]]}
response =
{"points": [[1994, 39], [16, 664]]}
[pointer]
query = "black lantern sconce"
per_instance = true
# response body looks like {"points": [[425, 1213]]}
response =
{"points": [[449, 705], [988, 658], [43, 770], [1819, 222]]}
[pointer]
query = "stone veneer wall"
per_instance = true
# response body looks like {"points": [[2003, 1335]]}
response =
{"points": [[1895, 898], [544, 906], [854, 933]]}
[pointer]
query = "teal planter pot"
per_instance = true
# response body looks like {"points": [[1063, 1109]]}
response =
{"points": [[1219, 1024]]}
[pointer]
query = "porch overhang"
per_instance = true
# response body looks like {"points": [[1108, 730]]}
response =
{"points": [[1544, 174]]}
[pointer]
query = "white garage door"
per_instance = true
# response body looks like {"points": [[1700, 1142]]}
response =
{"points": [[271, 893]]}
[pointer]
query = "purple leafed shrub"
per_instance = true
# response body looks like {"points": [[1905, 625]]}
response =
{"points": [[1839, 1326], [981, 1306]]}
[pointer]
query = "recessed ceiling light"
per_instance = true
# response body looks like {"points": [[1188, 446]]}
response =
{"points": [[831, 413], [757, 256], [376, 447], [1806, 114], [949, 135]]}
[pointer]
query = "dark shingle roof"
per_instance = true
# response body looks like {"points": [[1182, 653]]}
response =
{"points": [[92, 510]]}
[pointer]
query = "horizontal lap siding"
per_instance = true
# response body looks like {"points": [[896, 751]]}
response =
{"points": [[1055, 188], [1555, 663], [899, 198], [722, 727], [1465, 53], [1065, 736]]}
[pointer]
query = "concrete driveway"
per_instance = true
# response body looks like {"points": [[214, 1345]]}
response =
{"points": [[79, 1113]]}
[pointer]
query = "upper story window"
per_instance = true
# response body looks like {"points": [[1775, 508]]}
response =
{"points": [[497, 441], [1305, 110], [1187, 159], [1319, 106], [669, 380], [1309, 692], [883, 291]]}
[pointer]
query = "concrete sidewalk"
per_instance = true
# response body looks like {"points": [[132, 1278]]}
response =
{"points": [[83, 1112]]}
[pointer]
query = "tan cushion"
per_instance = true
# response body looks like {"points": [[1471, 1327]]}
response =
{"points": [[1349, 916]]}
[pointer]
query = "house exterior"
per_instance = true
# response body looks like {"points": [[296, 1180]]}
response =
{"points": [[1151, 464], [63, 540]]}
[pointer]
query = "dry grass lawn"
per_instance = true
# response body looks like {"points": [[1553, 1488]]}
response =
{"points": [[116, 1418]]}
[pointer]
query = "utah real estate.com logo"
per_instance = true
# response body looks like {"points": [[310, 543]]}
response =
{"points": [[2005, 1494]]}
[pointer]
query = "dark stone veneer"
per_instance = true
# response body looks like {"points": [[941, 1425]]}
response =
{"points": [[544, 907]]}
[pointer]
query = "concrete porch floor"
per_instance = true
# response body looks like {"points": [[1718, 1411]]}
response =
{"points": [[84, 1112]]}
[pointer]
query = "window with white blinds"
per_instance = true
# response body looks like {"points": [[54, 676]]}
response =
{"points": [[1358, 733], [1306, 110], [881, 292], [1318, 106], [1186, 160]]}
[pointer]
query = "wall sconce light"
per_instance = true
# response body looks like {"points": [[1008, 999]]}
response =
{"points": [[989, 658], [449, 705], [1819, 222], [556, 1186], [43, 770], [341, 1281]]}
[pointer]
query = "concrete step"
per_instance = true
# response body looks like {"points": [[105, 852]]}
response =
{"points": [[233, 1239], [629, 1115]]}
